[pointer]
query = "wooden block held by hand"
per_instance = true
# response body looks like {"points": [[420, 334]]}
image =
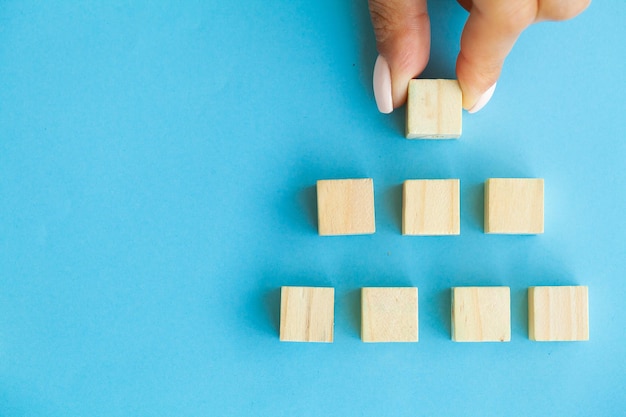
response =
{"points": [[389, 314], [481, 314], [431, 207], [514, 205], [307, 314], [434, 109], [558, 313], [345, 207]]}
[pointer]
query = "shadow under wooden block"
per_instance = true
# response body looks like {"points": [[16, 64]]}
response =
{"points": [[345, 207], [389, 314], [481, 314], [431, 207], [352, 302], [307, 314], [444, 312], [272, 306], [474, 199], [514, 205], [434, 109], [393, 205], [559, 313], [306, 199]]}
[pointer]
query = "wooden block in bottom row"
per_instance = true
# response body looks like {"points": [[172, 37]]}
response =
{"points": [[558, 313], [481, 314], [307, 314], [389, 314]]}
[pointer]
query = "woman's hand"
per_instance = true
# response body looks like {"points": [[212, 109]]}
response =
{"points": [[402, 30]]}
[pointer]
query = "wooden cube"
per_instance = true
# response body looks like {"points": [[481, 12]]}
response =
{"points": [[558, 313], [307, 314], [514, 205], [431, 207], [481, 314], [434, 109], [345, 207], [389, 315]]}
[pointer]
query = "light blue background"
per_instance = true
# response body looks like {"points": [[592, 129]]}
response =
{"points": [[157, 172]]}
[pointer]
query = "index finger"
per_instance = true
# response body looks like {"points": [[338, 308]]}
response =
{"points": [[490, 32]]}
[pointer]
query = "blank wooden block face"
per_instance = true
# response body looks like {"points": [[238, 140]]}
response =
{"points": [[345, 207], [434, 109], [481, 314], [307, 314], [558, 313], [514, 205], [389, 315], [431, 207]]}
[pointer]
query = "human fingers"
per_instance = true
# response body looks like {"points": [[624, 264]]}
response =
{"points": [[491, 31], [561, 9], [402, 29]]}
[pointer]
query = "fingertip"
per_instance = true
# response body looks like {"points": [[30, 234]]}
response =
{"points": [[382, 85], [487, 38], [483, 99], [477, 84], [407, 60], [402, 29]]}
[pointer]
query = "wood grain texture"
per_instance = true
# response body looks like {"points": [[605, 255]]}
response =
{"points": [[481, 314], [307, 314], [558, 313], [514, 205], [345, 207], [434, 109], [389, 314], [431, 207]]}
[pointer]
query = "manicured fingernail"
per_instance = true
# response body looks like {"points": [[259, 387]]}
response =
{"points": [[483, 100], [382, 85]]}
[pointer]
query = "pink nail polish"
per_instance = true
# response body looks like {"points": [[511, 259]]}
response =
{"points": [[382, 85], [483, 100]]}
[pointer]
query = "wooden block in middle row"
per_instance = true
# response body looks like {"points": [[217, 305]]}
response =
{"points": [[345, 207], [481, 314], [431, 207], [389, 314], [514, 205], [434, 109]]}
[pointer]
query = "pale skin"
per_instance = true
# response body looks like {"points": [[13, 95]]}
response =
{"points": [[402, 29]]}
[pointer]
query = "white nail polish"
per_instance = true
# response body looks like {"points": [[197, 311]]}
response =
{"points": [[382, 85], [483, 100]]}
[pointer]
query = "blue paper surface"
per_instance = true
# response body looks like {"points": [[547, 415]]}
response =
{"points": [[158, 163]]}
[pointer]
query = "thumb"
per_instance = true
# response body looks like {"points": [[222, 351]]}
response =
{"points": [[402, 29]]}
